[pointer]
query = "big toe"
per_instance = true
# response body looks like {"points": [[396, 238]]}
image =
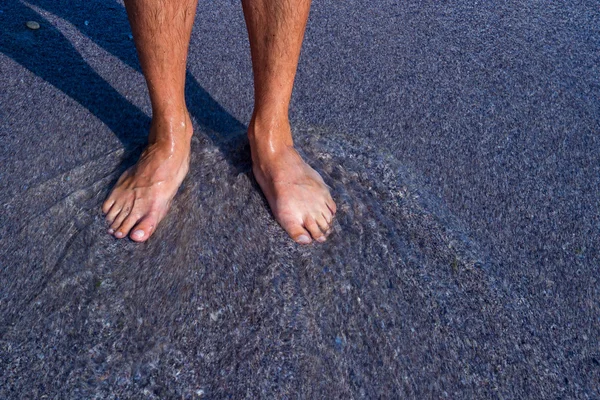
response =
{"points": [[145, 228], [296, 231]]}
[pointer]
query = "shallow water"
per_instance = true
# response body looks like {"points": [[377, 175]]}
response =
{"points": [[496, 105], [220, 302]]}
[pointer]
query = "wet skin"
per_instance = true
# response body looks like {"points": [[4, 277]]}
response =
{"points": [[143, 194], [299, 199]]}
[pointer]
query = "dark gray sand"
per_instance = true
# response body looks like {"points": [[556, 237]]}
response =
{"points": [[461, 145]]}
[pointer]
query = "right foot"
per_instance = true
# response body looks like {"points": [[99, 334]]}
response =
{"points": [[143, 194]]}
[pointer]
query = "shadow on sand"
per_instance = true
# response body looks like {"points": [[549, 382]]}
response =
{"points": [[49, 54]]}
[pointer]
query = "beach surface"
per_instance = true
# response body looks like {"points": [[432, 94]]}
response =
{"points": [[462, 146]]}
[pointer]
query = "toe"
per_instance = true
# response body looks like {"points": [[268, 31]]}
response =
{"points": [[331, 205], [127, 224], [328, 215], [144, 229], [114, 211], [296, 231], [312, 226], [323, 224], [118, 221], [108, 203]]}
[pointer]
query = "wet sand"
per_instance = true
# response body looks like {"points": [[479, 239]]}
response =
{"points": [[463, 263]]}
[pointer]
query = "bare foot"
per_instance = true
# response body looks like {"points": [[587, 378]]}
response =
{"points": [[143, 194], [297, 195]]}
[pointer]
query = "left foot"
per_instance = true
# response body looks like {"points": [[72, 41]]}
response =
{"points": [[297, 195]]}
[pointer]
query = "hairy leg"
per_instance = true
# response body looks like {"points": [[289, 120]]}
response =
{"points": [[297, 195], [142, 196]]}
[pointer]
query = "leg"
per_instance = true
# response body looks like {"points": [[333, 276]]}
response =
{"points": [[143, 194], [297, 195]]}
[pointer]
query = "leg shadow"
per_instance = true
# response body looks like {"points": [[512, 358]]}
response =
{"points": [[49, 55], [53, 58]]}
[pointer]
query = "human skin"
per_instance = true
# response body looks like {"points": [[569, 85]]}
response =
{"points": [[299, 199]]}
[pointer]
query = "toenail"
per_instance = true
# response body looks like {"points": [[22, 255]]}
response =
{"points": [[321, 239], [303, 239], [138, 234], [111, 231], [119, 234]]}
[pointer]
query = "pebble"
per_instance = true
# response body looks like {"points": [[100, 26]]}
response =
{"points": [[33, 25]]}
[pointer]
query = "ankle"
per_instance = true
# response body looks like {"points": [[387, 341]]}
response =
{"points": [[269, 132], [173, 113], [173, 125]]}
